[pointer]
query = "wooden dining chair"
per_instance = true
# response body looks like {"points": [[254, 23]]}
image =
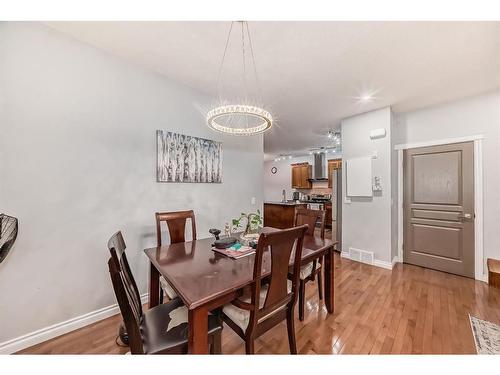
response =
{"points": [[311, 270], [160, 330], [176, 225], [272, 302]]}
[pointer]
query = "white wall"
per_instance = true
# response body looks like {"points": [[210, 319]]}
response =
{"points": [[394, 192], [78, 158], [472, 116], [282, 179], [366, 222]]}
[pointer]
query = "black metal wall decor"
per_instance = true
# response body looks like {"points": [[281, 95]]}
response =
{"points": [[8, 234]]}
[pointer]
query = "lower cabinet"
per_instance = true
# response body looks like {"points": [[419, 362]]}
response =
{"points": [[280, 216]]}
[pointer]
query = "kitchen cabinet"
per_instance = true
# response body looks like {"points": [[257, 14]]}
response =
{"points": [[301, 172], [281, 215], [332, 165]]}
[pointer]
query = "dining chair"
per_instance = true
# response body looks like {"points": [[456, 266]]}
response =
{"points": [[272, 302], [160, 330], [176, 225], [311, 270]]}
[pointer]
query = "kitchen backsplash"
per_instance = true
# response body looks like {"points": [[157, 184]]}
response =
{"points": [[316, 190], [319, 187]]}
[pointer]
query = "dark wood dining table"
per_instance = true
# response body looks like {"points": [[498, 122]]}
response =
{"points": [[206, 280]]}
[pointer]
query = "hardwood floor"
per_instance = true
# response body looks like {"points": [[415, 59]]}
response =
{"points": [[408, 310]]}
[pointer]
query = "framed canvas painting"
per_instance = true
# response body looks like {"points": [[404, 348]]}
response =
{"points": [[183, 158]]}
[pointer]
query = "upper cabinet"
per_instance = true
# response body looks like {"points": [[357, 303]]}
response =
{"points": [[332, 165], [301, 173]]}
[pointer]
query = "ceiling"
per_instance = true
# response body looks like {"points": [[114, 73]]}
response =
{"points": [[312, 74]]}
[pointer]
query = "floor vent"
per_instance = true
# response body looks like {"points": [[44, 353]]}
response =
{"points": [[361, 255]]}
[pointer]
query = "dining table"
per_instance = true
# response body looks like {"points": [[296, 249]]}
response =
{"points": [[206, 280]]}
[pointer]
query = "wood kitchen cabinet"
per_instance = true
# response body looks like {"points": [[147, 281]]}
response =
{"points": [[281, 215], [332, 165], [301, 172]]}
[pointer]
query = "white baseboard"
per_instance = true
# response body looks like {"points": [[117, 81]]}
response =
{"points": [[376, 262], [396, 260], [483, 278], [383, 264], [58, 329]]}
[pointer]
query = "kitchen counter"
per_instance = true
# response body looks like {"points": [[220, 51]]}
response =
{"points": [[287, 203], [281, 214]]}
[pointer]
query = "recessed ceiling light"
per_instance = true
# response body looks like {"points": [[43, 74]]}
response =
{"points": [[367, 95]]}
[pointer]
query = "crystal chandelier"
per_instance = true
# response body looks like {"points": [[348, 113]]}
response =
{"points": [[240, 119]]}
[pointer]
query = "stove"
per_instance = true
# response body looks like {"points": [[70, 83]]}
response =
{"points": [[320, 198]]}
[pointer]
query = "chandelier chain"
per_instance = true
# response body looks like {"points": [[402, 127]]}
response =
{"points": [[244, 65], [259, 91], [235, 118], [223, 58]]}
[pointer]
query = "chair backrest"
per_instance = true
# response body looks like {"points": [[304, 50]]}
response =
{"points": [[280, 244], [176, 223], [126, 291], [311, 217]]}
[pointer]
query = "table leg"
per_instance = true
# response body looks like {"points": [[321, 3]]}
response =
{"points": [[198, 331], [329, 280], [154, 286]]}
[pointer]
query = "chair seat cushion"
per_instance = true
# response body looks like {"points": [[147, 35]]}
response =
{"points": [[241, 317], [167, 288], [306, 269], [166, 326]]}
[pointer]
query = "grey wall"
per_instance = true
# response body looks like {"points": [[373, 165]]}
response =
{"points": [[472, 116], [77, 164], [366, 222]]}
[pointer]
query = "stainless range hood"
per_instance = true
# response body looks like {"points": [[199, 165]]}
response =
{"points": [[319, 168]]}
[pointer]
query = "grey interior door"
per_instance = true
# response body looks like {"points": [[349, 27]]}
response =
{"points": [[439, 208]]}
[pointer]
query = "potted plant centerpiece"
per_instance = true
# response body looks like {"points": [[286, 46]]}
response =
{"points": [[252, 229]]}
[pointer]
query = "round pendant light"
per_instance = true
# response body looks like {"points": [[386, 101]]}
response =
{"points": [[240, 118]]}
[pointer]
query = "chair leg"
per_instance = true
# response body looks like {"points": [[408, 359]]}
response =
{"points": [[290, 326], [249, 347], [320, 284], [216, 343], [302, 295], [122, 332], [161, 296]]}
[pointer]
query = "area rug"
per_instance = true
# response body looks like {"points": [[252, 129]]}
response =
{"points": [[486, 336]]}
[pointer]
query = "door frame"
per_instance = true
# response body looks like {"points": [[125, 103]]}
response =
{"points": [[479, 261]]}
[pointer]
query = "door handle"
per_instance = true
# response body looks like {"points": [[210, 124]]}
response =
{"points": [[465, 217]]}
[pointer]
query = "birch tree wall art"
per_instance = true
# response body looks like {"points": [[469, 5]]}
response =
{"points": [[182, 158]]}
